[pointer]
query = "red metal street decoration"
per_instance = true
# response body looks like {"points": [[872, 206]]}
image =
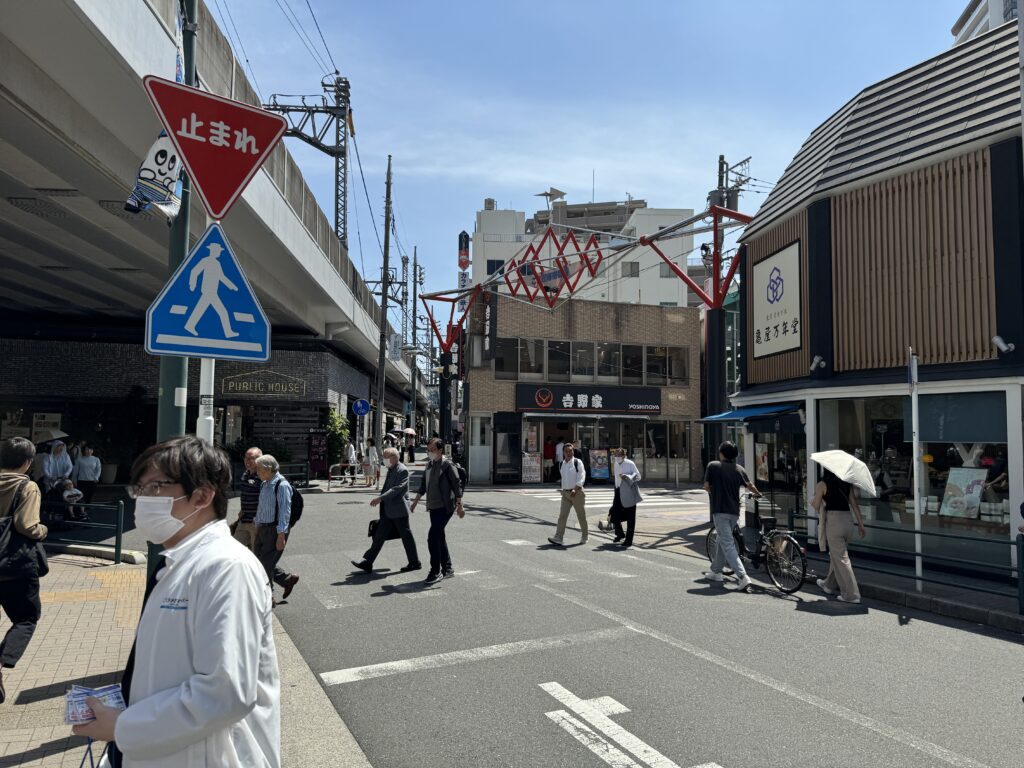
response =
{"points": [[448, 339], [221, 142]]}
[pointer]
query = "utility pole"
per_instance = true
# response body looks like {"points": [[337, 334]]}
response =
{"points": [[171, 397], [714, 332], [415, 338], [378, 411]]}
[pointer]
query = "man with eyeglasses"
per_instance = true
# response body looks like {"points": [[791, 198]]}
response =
{"points": [[201, 681]]}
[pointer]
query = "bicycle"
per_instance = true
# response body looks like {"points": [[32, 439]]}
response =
{"points": [[785, 559]]}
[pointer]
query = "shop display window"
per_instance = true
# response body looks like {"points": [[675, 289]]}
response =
{"points": [[531, 360], [558, 360]]}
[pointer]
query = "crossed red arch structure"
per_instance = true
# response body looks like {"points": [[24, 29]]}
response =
{"points": [[567, 269]]}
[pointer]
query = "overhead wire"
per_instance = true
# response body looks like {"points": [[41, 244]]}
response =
{"points": [[317, 60], [366, 191], [241, 46], [322, 40]]}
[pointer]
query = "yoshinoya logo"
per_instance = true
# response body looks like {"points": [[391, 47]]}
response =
{"points": [[776, 286], [643, 407], [544, 398]]}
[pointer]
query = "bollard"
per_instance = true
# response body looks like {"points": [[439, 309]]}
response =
{"points": [[119, 530], [1020, 573], [677, 474]]}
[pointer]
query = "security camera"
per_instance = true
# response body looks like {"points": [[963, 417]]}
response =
{"points": [[1002, 346], [817, 362]]}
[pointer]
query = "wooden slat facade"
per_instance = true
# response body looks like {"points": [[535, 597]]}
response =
{"points": [[792, 364], [913, 264]]}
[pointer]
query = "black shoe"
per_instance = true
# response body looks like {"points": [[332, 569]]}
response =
{"points": [[617, 539], [449, 574], [411, 567], [432, 578], [3, 691], [363, 566], [627, 544], [289, 585]]}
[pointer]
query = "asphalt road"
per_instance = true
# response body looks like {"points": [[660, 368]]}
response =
{"points": [[591, 656]]}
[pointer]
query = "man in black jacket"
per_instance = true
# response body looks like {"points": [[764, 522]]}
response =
{"points": [[394, 515], [441, 486]]}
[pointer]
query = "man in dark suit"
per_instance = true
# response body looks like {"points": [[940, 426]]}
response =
{"points": [[394, 515]]}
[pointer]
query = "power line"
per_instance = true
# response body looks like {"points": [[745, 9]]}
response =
{"points": [[369, 205], [321, 36], [317, 61], [241, 46]]}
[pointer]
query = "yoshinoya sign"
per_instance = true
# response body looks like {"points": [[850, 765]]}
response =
{"points": [[566, 399], [776, 321], [263, 383]]}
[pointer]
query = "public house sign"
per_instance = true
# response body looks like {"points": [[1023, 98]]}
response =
{"points": [[264, 384]]}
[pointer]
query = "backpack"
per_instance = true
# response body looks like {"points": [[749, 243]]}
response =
{"points": [[297, 504], [463, 477]]}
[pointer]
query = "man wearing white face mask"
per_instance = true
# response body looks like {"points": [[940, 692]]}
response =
{"points": [[201, 683], [394, 515], [626, 497]]}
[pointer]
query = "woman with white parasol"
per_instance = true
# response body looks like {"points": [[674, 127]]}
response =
{"points": [[837, 508]]}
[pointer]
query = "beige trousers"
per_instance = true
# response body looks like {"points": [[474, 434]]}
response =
{"points": [[838, 532], [246, 533], [577, 502]]}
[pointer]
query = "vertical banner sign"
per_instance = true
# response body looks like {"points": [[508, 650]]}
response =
{"points": [[463, 285], [490, 323], [464, 250], [317, 451]]}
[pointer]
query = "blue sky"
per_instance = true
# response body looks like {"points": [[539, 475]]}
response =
{"points": [[479, 100]]}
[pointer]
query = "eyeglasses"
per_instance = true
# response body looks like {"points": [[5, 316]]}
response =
{"points": [[152, 488]]}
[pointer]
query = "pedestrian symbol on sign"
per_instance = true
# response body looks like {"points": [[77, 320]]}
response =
{"points": [[213, 275], [180, 322]]}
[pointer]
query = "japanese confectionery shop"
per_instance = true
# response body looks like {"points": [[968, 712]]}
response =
{"points": [[874, 242]]}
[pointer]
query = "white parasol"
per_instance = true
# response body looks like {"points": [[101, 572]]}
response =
{"points": [[48, 435], [847, 468]]}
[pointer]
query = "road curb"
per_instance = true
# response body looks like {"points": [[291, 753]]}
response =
{"points": [[313, 734], [1012, 622], [130, 556]]}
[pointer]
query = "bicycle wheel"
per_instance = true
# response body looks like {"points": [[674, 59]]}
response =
{"points": [[711, 543], [786, 561]]}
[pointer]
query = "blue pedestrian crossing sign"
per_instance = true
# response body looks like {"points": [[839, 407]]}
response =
{"points": [[208, 308], [361, 407]]}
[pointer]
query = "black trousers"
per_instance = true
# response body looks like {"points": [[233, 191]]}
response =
{"points": [[88, 488], [384, 528], [620, 515], [20, 600], [437, 543], [268, 555]]}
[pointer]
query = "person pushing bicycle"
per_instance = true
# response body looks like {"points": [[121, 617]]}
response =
{"points": [[723, 480]]}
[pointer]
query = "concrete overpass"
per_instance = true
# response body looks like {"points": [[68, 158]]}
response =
{"points": [[74, 123]]}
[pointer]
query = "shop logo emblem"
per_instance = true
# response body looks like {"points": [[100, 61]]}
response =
{"points": [[543, 398], [776, 286]]}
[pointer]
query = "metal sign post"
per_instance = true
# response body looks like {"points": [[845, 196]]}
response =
{"points": [[915, 467]]}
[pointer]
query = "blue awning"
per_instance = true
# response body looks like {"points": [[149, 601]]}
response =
{"points": [[753, 412]]}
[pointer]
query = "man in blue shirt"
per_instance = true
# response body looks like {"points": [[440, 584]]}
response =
{"points": [[273, 516]]}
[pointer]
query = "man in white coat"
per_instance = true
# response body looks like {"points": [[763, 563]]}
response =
{"points": [[201, 682]]}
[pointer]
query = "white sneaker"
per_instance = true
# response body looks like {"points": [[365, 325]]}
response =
{"points": [[584, 540], [713, 576], [556, 542], [823, 588], [855, 601], [743, 583]]}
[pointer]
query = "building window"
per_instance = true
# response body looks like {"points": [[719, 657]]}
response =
{"points": [[582, 361], [678, 363], [495, 267], [506, 359], [656, 365], [531, 360], [631, 269], [664, 270], [679, 439], [609, 362], [558, 361], [632, 364]]}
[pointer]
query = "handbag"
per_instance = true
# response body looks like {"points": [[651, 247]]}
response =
{"points": [[20, 555], [372, 528]]}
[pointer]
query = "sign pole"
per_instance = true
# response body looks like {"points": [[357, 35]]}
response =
{"points": [[204, 424], [915, 476], [170, 420]]}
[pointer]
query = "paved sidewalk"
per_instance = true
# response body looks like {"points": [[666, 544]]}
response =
{"points": [[90, 609]]}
